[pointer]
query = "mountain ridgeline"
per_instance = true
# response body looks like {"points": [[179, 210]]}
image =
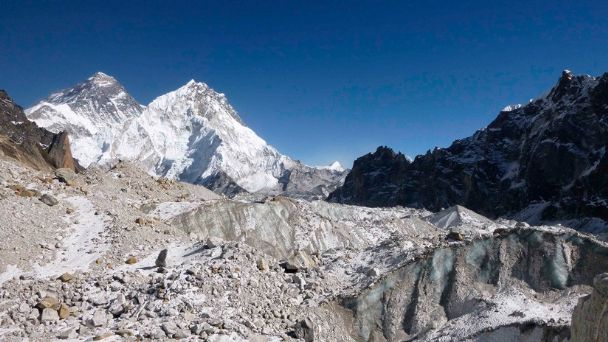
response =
{"points": [[543, 161], [23, 140], [191, 134]]}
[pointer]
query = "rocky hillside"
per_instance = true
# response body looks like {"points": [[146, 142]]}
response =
{"points": [[192, 134], [543, 161], [24, 141]]}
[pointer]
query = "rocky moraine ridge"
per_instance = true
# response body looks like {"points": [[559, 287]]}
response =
{"points": [[544, 161], [116, 252]]}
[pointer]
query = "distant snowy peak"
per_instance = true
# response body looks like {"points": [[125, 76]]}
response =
{"points": [[335, 166], [195, 135], [92, 112], [192, 134]]}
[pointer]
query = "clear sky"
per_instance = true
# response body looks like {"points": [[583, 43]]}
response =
{"points": [[319, 80]]}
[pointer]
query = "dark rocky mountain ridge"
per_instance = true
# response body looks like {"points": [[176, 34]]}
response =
{"points": [[33, 146], [543, 161]]}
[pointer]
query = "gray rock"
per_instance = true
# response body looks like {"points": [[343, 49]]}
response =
{"points": [[215, 252], [49, 315], [48, 200], [68, 334], [304, 330], [99, 319], [65, 175], [213, 242], [298, 280], [169, 328], [161, 260], [262, 265]]}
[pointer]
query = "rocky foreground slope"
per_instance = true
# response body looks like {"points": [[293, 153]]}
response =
{"points": [[544, 161], [192, 134], [118, 254]]}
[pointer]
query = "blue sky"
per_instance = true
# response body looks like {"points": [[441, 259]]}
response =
{"points": [[321, 81]]}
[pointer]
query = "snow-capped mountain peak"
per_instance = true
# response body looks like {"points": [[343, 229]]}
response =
{"points": [[192, 134], [93, 112], [335, 166], [103, 80]]}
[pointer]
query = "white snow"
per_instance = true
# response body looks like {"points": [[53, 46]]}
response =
{"points": [[335, 166], [11, 272], [511, 108], [191, 134], [82, 245]]}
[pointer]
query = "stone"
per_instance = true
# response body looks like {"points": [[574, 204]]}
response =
{"points": [[48, 200], [131, 260], [49, 315], [28, 193], [305, 330], [213, 242], [99, 319], [169, 328], [298, 280], [24, 308], [161, 260], [64, 311], [65, 175], [66, 277], [117, 306], [456, 236], [68, 334], [373, 272], [215, 252], [103, 336], [48, 302], [124, 332], [262, 264]]}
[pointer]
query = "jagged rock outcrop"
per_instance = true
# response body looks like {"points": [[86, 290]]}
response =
{"points": [[33, 146], [590, 316], [545, 161]]}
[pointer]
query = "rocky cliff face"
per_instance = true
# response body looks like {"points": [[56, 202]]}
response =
{"points": [[544, 161], [23, 140], [590, 317]]}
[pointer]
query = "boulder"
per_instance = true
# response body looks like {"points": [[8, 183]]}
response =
{"points": [[64, 311], [66, 175], [161, 260], [49, 315], [48, 200], [456, 236], [262, 265], [99, 319], [48, 302], [66, 277], [304, 330]]}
